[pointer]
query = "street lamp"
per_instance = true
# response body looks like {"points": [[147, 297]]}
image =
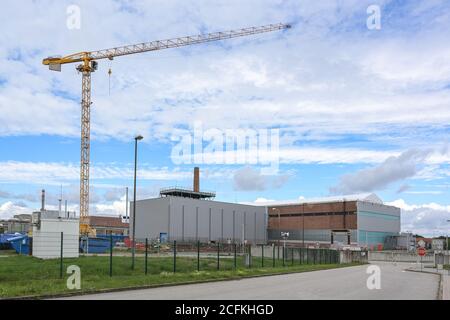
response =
{"points": [[279, 229], [446, 243], [133, 248], [279, 218]]}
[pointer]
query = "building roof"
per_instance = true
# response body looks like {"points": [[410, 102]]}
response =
{"points": [[366, 197], [104, 221]]}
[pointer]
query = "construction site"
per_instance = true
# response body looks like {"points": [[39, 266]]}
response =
{"points": [[187, 235]]}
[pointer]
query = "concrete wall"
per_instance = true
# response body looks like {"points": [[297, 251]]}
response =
{"points": [[399, 256], [185, 219]]}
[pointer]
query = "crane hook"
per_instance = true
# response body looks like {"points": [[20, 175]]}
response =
{"points": [[109, 73]]}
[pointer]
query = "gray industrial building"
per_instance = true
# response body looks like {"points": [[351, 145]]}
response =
{"points": [[191, 215]]}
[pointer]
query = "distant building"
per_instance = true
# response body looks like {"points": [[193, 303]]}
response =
{"points": [[109, 225], [360, 220], [437, 244], [20, 223], [428, 242], [404, 241]]}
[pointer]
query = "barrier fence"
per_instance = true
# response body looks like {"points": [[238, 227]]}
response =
{"points": [[151, 257]]}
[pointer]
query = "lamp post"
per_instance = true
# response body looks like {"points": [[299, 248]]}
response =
{"points": [[279, 218], [133, 248], [303, 225], [446, 243]]}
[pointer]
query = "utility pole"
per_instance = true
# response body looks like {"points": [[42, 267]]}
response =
{"points": [[303, 225], [60, 203], [133, 250], [126, 206]]}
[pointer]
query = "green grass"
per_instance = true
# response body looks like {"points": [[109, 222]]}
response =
{"points": [[28, 276]]}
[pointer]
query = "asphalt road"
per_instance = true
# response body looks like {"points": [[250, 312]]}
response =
{"points": [[345, 283]]}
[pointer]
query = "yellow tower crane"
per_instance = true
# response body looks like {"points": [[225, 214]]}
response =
{"points": [[89, 64]]}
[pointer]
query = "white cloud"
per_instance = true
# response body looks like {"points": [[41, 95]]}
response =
{"points": [[114, 208], [366, 86], [425, 219], [393, 169], [9, 209], [57, 173], [250, 179]]}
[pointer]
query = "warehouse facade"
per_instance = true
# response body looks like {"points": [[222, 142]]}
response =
{"points": [[187, 220], [361, 220]]}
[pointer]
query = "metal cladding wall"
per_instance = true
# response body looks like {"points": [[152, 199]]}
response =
{"points": [[47, 238], [369, 223], [376, 222], [185, 219]]}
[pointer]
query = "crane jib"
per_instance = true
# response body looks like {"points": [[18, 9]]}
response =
{"points": [[162, 44]]}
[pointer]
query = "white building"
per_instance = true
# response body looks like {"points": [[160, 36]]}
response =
{"points": [[50, 231]]}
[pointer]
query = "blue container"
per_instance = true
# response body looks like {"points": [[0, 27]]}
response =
{"points": [[4, 243], [21, 244], [94, 245]]}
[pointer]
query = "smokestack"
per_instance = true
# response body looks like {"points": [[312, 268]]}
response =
{"points": [[43, 200], [196, 179]]}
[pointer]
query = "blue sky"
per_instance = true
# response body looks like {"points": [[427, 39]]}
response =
{"points": [[357, 110]]}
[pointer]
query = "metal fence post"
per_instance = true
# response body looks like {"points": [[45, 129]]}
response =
{"points": [[198, 256], [235, 256], [307, 256], [262, 256], [146, 256], [218, 255], [61, 256], [250, 256], [292, 252], [273, 256], [300, 255], [110, 255], [284, 249], [278, 251], [174, 256]]}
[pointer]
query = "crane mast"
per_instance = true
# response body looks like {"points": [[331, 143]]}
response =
{"points": [[89, 65]]}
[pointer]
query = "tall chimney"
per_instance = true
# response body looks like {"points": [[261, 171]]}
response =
{"points": [[43, 200], [196, 179]]}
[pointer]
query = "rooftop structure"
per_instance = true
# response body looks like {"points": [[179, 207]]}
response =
{"points": [[193, 193]]}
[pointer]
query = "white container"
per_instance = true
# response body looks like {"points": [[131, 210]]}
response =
{"points": [[47, 230]]}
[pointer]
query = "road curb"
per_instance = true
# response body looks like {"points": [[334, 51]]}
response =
{"points": [[441, 281]]}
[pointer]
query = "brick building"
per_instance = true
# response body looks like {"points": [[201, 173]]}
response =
{"points": [[109, 225], [361, 220]]}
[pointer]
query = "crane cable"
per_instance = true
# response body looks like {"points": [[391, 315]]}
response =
{"points": [[109, 76]]}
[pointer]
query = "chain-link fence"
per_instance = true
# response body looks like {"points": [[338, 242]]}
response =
{"points": [[109, 255]]}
